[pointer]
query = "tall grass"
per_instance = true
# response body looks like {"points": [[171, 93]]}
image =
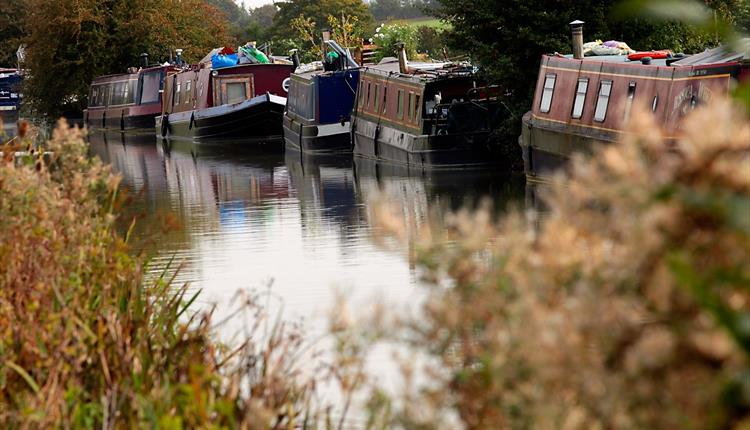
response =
{"points": [[85, 342]]}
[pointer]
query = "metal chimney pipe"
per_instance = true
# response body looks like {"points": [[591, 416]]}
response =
{"points": [[144, 60], [402, 60], [577, 29]]}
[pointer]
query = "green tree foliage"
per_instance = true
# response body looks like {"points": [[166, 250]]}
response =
{"points": [[11, 30], [259, 23], [385, 10], [317, 11], [72, 41]]}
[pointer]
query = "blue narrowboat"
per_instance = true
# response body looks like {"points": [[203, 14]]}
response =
{"points": [[319, 105], [10, 99]]}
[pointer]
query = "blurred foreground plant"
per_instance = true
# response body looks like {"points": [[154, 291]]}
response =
{"points": [[85, 342], [626, 307]]}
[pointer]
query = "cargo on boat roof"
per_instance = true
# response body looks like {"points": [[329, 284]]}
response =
{"points": [[426, 115]]}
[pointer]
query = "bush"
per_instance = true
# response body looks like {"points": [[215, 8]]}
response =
{"points": [[388, 35], [431, 41], [625, 307]]}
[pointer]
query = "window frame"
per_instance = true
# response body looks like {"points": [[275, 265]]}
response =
{"points": [[580, 96], [547, 107], [400, 104], [177, 94], [603, 98], [632, 85]]}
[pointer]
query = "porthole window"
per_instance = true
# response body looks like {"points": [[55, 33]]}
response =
{"points": [[580, 100], [602, 103], [549, 89]]}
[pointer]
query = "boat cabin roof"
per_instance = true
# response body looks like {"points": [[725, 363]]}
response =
{"points": [[421, 73]]}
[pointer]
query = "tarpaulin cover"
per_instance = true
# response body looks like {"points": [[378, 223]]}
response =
{"points": [[218, 61]]}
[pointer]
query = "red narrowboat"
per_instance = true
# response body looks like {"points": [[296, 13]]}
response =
{"points": [[127, 101], [241, 102], [582, 102]]}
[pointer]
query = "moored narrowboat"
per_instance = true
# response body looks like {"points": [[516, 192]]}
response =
{"points": [[319, 105], [426, 115], [243, 102], [10, 99], [128, 101], [583, 101]]}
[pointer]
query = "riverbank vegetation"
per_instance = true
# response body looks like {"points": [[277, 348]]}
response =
{"points": [[86, 341]]}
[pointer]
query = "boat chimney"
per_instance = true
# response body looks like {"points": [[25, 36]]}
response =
{"points": [[295, 58], [577, 28], [144, 60], [178, 59], [403, 62]]}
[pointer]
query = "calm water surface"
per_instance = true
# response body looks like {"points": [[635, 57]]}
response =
{"points": [[302, 225]]}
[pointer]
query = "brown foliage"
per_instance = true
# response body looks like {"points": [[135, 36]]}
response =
{"points": [[626, 307]]}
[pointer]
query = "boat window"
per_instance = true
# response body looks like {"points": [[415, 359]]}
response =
{"points": [[549, 89], [605, 88], [367, 101], [629, 100], [361, 90], [655, 103], [150, 87], [385, 97], [130, 91], [235, 92], [417, 106], [188, 86], [580, 100], [377, 97], [400, 104], [93, 95], [177, 93], [200, 90], [411, 105]]}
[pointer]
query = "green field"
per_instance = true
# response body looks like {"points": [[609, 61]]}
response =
{"points": [[422, 22]]}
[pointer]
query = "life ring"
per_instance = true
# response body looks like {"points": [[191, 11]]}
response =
{"points": [[656, 55], [285, 84]]}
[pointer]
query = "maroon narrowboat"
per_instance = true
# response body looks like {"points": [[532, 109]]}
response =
{"points": [[237, 103], [426, 116], [582, 102], [127, 101]]}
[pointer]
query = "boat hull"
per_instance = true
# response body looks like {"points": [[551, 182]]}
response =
{"points": [[323, 138], [257, 120], [464, 150], [546, 149]]}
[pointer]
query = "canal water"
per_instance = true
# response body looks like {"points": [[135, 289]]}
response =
{"points": [[295, 228]]}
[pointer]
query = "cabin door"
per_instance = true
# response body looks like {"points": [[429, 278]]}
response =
{"points": [[232, 89]]}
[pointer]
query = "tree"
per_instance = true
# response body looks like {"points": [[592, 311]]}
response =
{"points": [[317, 11], [260, 22], [11, 30], [72, 41]]}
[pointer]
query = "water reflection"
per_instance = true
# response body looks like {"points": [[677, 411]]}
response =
{"points": [[301, 221]]}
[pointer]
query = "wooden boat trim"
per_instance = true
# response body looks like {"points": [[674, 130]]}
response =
{"points": [[620, 75]]}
